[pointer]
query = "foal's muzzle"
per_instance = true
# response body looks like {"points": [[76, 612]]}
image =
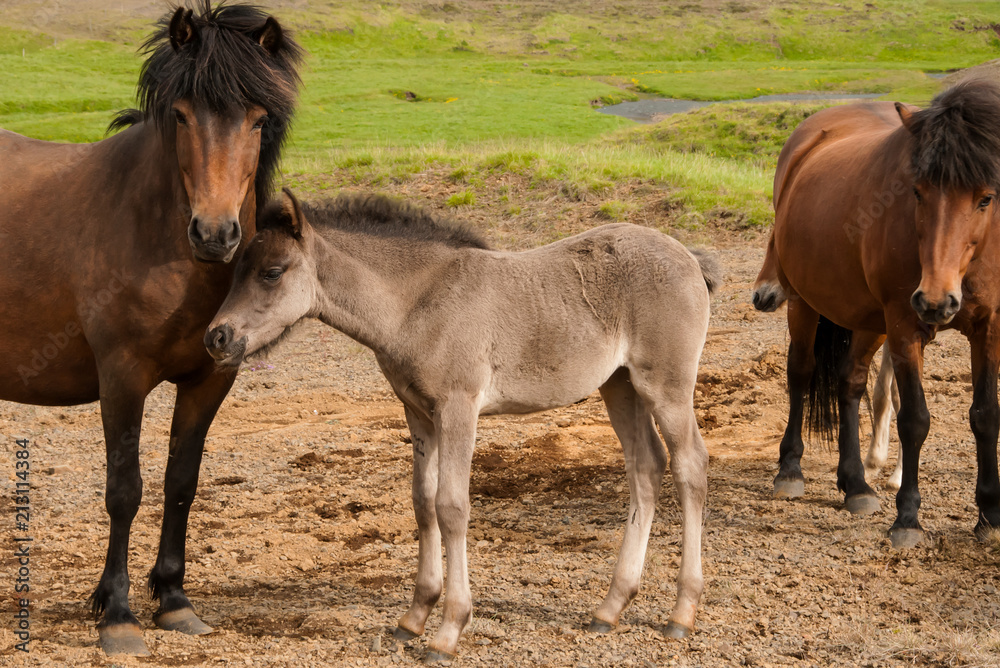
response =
{"points": [[220, 343], [936, 313], [216, 243]]}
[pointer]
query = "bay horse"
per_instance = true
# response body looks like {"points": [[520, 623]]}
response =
{"points": [[460, 330], [884, 232], [115, 260]]}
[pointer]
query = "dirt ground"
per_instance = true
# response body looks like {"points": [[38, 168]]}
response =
{"points": [[302, 544]]}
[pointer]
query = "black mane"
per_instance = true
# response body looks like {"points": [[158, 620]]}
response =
{"points": [[958, 138], [381, 216], [226, 68]]}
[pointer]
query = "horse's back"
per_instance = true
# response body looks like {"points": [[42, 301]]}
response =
{"points": [[826, 127]]}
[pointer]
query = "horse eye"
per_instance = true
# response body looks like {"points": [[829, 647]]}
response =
{"points": [[916, 193], [985, 202], [260, 122], [272, 275], [181, 118]]}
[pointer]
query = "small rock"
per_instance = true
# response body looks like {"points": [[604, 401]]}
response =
{"points": [[376, 646], [60, 469]]}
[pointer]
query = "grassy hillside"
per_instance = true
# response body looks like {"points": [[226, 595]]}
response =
{"points": [[490, 79]]}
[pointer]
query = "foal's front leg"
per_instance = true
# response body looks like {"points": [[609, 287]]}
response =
{"points": [[455, 425], [429, 583]]}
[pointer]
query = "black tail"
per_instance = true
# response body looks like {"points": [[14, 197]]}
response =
{"points": [[831, 347]]}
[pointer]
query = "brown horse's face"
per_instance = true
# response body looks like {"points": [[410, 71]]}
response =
{"points": [[217, 155], [275, 286], [950, 227]]}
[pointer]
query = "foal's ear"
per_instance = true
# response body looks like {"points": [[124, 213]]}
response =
{"points": [[905, 112], [292, 213], [182, 29], [270, 36]]}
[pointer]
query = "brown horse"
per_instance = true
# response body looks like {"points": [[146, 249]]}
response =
{"points": [[115, 260], [883, 232]]}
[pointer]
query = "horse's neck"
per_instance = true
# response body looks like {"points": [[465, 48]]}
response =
{"points": [[371, 284]]}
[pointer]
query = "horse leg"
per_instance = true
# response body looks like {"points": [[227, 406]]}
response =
{"points": [[645, 463], [121, 414], [670, 400], [984, 417], [859, 497], [455, 425], [913, 423], [429, 582], [878, 451], [195, 408], [802, 323]]}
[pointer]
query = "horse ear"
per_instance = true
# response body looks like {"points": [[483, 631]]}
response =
{"points": [[182, 29], [293, 211], [905, 112], [271, 36]]}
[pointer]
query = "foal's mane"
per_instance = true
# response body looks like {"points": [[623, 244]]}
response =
{"points": [[225, 67], [957, 138], [381, 216]]}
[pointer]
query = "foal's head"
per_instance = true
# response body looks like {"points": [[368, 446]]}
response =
{"points": [[220, 85], [956, 176], [274, 286]]}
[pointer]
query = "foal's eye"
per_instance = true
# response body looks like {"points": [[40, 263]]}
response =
{"points": [[272, 275], [261, 122], [916, 193], [985, 202], [181, 118]]}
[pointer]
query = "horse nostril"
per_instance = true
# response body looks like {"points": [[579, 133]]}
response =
{"points": [[197, 230], [953, 302], [219, 338], [918, 301], [231, 235]]}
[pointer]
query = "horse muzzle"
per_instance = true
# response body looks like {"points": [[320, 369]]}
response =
{"points": [[936, 313], [222, 346], [214, 243]]}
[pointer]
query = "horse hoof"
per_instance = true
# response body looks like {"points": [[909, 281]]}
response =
{"points": [[599, 626], [123, 639], [404, 635], [789, 489], [437, 656], [676, 631], [862, 504], [183, 620], [903, 538], [987, 533]]}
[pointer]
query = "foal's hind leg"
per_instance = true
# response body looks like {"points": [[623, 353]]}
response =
{"points": [[429, 583], [195, 408], [885, 405], [645, 462], [670, 398], [802, 323]]}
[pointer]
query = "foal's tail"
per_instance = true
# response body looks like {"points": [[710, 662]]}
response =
{"points": [[711, 271], [832, 345]]}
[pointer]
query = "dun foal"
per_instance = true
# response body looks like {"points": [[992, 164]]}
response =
{"points": [[460, 331]]}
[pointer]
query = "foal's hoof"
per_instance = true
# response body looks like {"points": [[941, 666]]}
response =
{"points": [[987, 533], [437, 656], [599, 626], [676, 631], [862, 504], [903, 538], [123, 639], [183, 620], [789, 489], [404, 635]]}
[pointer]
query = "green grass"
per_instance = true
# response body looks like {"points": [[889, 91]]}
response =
{"points": [[515, 90]]}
